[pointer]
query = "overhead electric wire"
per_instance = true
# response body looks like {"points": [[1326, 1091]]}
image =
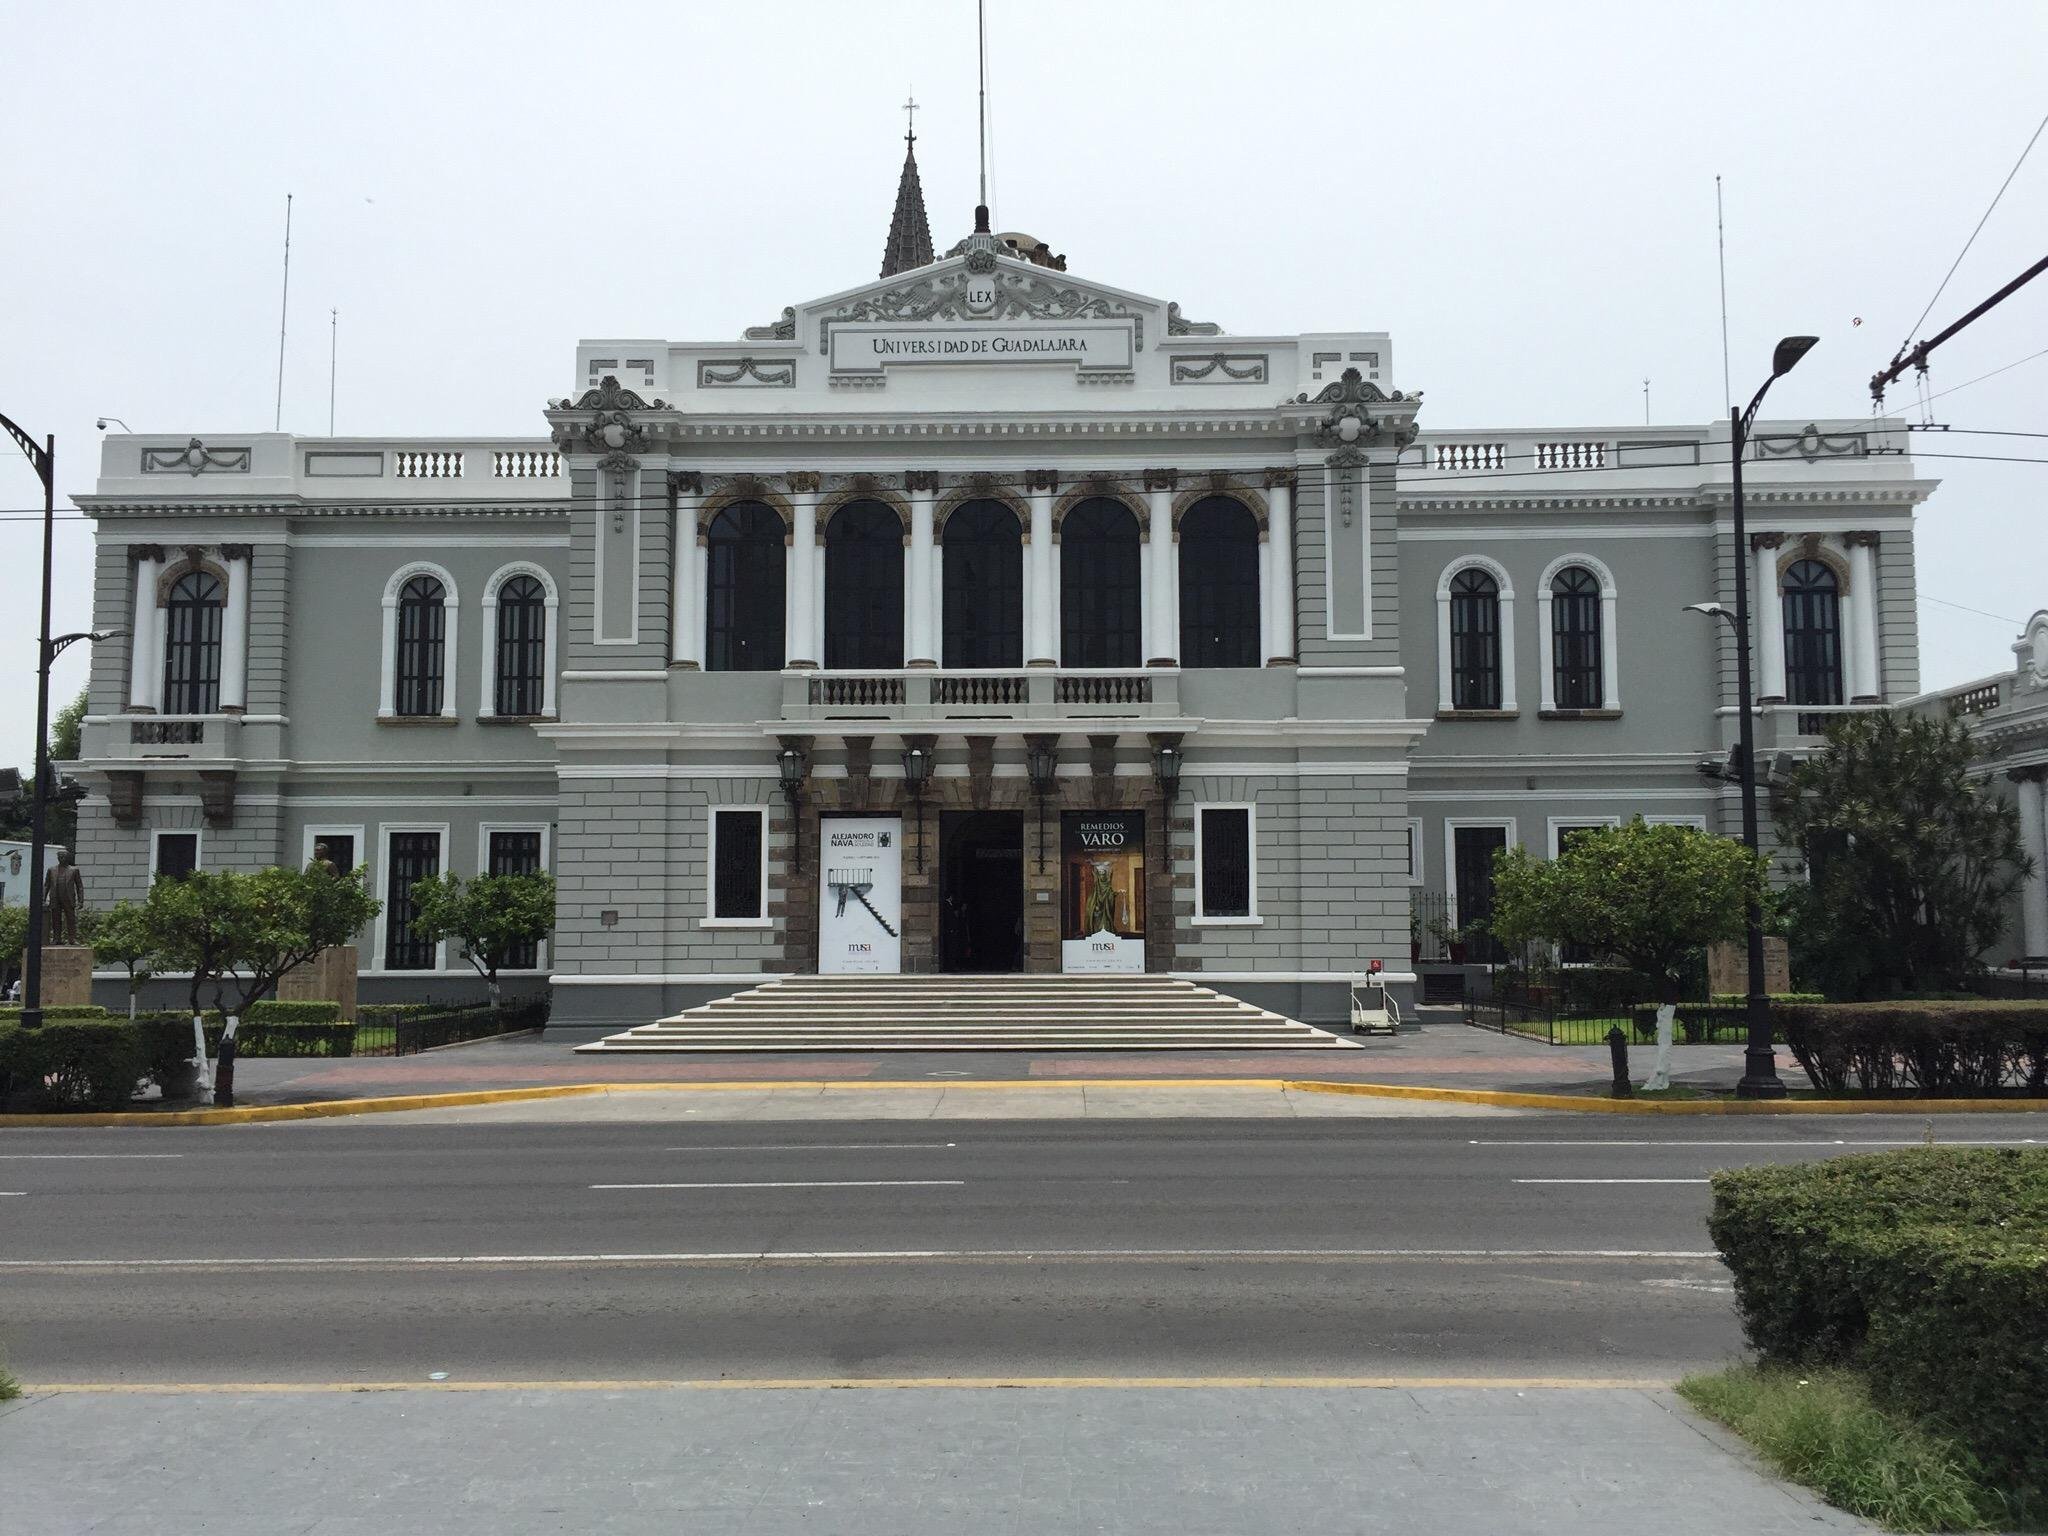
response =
{"points": [[1914, 328], [1928, 597]]}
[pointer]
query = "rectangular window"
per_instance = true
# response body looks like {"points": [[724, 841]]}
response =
{"points": [[1415, 850], [1223, 858], [516, 853], [177, 855], [413, 856], [738, 873], [1561, 835], [1472, 850]]}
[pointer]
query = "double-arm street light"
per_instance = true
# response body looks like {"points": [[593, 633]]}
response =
{"points": [[1760, 1063], [42, 457]]}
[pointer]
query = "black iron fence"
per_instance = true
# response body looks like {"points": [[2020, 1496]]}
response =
{"points": [[405, 1029]]}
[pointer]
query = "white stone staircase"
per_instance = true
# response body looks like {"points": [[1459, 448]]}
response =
{"points": [[973, 1013]]}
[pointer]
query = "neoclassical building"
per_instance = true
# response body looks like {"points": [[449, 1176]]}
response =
{"points": [[979, 617]]}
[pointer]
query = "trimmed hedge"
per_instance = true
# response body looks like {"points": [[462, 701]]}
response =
{"points": [[1943, 1049], [1925, 1269], [58, 1011], [84, 1064], [1778, 999], [271, 1011]]}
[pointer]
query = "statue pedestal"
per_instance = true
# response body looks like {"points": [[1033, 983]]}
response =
{"points": [[330, 977], [67, 975]]}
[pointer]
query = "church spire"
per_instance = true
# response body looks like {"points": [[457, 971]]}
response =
{"points": [[910, 232]]}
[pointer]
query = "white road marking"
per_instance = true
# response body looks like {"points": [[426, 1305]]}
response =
{"points": [[857, 1257], [80, 1157], [6, 1192], [1914, 1141], [1611, 1181], [829, 1146], [801, 1184]]}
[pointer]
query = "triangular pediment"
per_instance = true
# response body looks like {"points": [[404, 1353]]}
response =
{"points": [[978, 286]]}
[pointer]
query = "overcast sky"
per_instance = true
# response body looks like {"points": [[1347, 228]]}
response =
{"points": [[1523, 195]]}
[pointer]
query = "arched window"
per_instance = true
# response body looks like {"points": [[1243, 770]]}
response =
{"points": [[745, 573], [864, 586], [983, 598], [1813, 634], [522, 647], [1219, 584], [1100, 591], [1575, 654], [192, 644], [1475, 640], [422, 647]]}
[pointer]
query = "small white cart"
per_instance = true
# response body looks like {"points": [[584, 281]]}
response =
{"points": [[1373, 1012]]}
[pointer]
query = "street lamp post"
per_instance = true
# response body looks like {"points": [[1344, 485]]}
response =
{"points": [[1760, 1078], [43, 459]]}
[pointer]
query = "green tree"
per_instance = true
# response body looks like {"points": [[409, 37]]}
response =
{"points": [[1646, 896], [123, 938], [1911, 860], [13, 941], [491, 918], [239, 934], [60, 826]]}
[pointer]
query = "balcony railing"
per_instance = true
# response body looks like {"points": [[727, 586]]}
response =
{"points": [[1979, 700], [206, 738], [915, 693]]}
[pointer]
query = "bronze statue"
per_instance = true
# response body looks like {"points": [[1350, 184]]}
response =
{"points": [[324, 861], [63, 900]]}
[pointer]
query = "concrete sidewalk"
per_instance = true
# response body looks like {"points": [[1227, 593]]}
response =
{"points": [[1188, 1461], [1443, 1052]]}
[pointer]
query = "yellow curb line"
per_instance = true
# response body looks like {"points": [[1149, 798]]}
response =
{"points": [[876, 1383], [1500, 1099], [1590, 1105]]}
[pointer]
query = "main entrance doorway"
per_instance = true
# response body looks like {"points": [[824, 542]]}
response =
{"points": [[981, 891]]}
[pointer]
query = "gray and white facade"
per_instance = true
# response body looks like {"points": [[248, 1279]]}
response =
{"points": [[693, 646]]}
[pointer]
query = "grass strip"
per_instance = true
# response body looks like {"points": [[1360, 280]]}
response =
{"points": [[1820, 1429]]}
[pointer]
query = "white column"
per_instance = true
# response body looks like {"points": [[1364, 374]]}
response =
{"points": [[1610, 651], [2033, 798], [549, 653], [1041, 620], [1862, 617], [1159, 572], [1546, 653], [234, 647], [804, 576], [1769, 611], [924, 651], [387, 684], [1280, 586], [145, 662], [686, 629]]}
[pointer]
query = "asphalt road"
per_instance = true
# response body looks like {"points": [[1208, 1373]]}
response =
{"points": [[381, 1251]]}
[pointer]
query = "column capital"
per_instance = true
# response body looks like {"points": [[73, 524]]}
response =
{"points": [[1280, 479], [1041, 480], [2032, 774], [1161, 479], [1866, 538], [1766, 541], [804, 481], [146, 552], [236, 552], [926, 480], [686, 482]]}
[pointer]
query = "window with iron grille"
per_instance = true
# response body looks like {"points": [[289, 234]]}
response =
{"points": [[177, 854], [736, 887], [422, 647], [192, 645], [413, 856], [745, 574], [1225, 877], [1100, 586], [864, 586], [1475, 640], [522, 647], [1575, 639], [1813, 634], [983, 577], [1219, 585], [516, 853]]}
